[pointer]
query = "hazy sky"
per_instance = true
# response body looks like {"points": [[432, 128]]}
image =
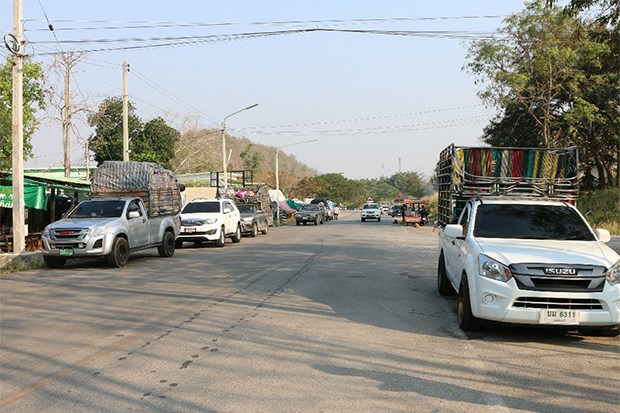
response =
{"points": [[383, 91]]}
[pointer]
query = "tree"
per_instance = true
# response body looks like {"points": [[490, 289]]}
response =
{"points": [[107, 142], [33, 93], [251, 158], [563, 73], [156, 143], [408, 183]]}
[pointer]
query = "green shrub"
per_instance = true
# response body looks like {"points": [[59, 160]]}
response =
{"points": [[601, 208]]}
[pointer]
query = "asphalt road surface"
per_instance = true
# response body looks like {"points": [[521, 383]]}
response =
{"points": [[340, 317]]}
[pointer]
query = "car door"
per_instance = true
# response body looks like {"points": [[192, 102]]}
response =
{"points": [[228, 210], [454, 250], [137, 225]]}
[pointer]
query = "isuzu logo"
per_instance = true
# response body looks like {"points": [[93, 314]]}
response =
{"points": [[561, 271]]}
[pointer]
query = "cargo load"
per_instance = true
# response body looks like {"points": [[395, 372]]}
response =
{"points": [[475, 172], [157, 186]]}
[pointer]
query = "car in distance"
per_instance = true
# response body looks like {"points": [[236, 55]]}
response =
{"points": [[253, 220], [209, 220], [396, 211], [371, 211], [310, 213]]}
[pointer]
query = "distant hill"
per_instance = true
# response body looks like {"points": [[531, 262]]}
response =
{"points": [[201, 151]]}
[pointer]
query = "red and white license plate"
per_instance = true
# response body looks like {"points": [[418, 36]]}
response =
{"points": [[189, 230]]}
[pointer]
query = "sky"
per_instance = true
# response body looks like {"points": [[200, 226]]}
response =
{"points": [[342, 74]]}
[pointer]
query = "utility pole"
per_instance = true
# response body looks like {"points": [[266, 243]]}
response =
{"points": [[125, 114], [19, 229], [66, 121], [87, 158]]}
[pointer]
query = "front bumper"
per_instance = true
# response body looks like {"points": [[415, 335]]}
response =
{"points": [[202, 233], [504, 302]]}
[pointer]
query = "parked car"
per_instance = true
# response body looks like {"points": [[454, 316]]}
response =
{"points": [[209, 220], [396, 210], [253, 220], [310, 213], [371, 211]]}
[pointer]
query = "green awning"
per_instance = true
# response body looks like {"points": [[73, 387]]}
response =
{"points": [[34, 196]]}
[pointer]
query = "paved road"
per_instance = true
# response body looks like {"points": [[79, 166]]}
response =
{"points": [[341, 317]]}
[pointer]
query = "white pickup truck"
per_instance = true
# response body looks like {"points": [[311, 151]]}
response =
{"points": [[109, 228], [529, 262], [515, 248]]}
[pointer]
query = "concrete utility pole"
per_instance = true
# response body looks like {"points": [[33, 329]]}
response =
{"points": [[224, 157], [66, 122], [19, 229], [125, 114]]}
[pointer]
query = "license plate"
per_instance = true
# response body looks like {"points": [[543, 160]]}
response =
{"points": [[558, 316], [189, 230], [66, 252]]}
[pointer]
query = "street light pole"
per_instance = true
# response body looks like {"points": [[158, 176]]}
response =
{"points": [[278, 175], [224, 157]]}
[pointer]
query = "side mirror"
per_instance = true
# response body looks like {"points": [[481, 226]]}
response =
{"points": [[603, 235], [453, 231], [133, 214]]}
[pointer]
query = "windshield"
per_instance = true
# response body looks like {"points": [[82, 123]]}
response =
{"points": [[309, 207], [247, 209], [550, 222], [371, 206], [197, 207], [98, 209]]}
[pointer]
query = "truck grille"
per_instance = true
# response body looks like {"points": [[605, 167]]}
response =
{"points": [[61, 234], [562, 303], [537, 277]]}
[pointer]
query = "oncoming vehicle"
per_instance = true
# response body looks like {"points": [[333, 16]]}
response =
{"points": [[314, 213], [209, 220], [371, 211]]}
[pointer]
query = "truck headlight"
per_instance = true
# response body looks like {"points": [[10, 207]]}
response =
{"points": [[209, 221], [247, 219], [495, 270], [613, 274], [98, 231]]}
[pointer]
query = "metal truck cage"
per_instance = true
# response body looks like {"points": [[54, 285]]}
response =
{"points": [[476, 172]]}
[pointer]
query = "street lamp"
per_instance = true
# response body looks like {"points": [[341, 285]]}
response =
{"points": [[278, 175], [224, 157]]}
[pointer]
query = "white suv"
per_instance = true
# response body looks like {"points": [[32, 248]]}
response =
{"points": [[371, 211], [209, 220]]}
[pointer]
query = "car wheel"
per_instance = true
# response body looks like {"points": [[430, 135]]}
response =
{"points": [[379, 219], [237, 237], [119, 255], [54, 262], [443, 284], [166, 249], [254, 230], [467, 320], [266, 230], [222, 239], [363, 219], [297, 223]]}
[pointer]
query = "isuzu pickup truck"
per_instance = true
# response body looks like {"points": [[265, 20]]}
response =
{"points": [[514, 247]]}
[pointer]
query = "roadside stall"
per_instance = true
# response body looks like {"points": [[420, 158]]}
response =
{"points": [[416, 212]]}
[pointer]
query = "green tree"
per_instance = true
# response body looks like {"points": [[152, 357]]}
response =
{"points": [[156, 143], [33, 93], [563, 72], [252, 159], [409, 183], [107, 142]]}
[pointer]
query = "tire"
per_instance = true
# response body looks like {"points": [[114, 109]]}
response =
{"points": [[379, 219], [467, 321], [443, 284], [363, 219], [166, 249], [120, 253], [321, 221], [222, 239], [297, 223], [54, 262], [237, 237], [266, 230], [254, 230], [178, 244]]}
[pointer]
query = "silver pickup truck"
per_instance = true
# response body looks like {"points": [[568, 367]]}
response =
{"points": [[110, 227]]}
